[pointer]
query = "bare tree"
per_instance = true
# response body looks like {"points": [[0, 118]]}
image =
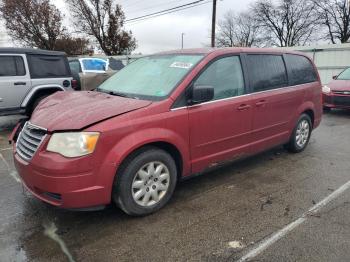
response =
{"points": [[335, 16], [289, 22], [33, 23], [237, 30], [104, 20]]}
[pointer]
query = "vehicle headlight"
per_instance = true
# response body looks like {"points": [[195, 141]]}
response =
{"points": [[73, 144], [326, 89]]}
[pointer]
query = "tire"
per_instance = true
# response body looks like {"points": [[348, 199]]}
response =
{"points": [[301, 135], [137, 186], [36, 103]]}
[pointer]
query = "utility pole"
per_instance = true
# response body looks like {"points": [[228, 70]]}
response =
{"points": [[182, 40], [213, 24]]}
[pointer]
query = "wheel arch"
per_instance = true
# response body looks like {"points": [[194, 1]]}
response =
{"points": [[38, 91], [170, 148], [308, 109], [311, 114]]}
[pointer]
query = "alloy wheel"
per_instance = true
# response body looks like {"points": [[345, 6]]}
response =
{"points": [[150, 184], [302, 133]]}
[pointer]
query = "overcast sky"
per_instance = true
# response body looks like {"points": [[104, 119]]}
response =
{"points": [[164, 32]]}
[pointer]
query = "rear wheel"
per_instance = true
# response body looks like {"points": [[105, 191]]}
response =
{"points": [[145, 182], [301, 134]]}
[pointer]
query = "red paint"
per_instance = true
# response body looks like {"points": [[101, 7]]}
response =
{"points": [[238, 127]]}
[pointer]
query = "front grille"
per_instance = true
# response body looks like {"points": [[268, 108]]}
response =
{"points": [[342, 92], [29, 140], [341, 100]]}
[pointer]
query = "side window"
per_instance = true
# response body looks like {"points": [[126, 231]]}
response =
{"points": [[46, 66], [301, 70], [266, 72], [75, 66], [94, 65], [225, 76], [12, 66]]}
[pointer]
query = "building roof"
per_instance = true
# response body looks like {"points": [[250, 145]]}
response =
{"points": [[11, 50]]}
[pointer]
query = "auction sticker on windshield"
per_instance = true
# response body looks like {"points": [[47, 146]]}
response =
{"points": [[181, 65]]}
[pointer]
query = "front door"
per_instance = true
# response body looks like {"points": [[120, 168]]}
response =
{"points": [[220, 129], [14, 81]]}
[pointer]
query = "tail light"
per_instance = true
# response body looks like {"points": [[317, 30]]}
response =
{"points": [[74, 84]]}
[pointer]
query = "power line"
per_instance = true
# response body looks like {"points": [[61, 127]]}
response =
{"points": [[169, 12], [163, 11], [153, 6]]}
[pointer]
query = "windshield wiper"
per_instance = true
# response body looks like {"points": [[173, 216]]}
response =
{"points": [[118, 94], [113, 93]]}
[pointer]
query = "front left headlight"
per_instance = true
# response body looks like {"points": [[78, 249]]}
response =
{"points": [[326, 89], [73, 144]]}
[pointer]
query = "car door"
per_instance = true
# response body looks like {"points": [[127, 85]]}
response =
{"points": [[94, 72], [220, 129], [14, 80], [274, 102]]}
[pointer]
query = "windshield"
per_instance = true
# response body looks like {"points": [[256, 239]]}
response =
{"points": [[345, 75], [152, 77]]}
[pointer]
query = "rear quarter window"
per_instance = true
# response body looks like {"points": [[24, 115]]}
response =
{"points": [[266, 72], [301, 71], [47, 66]]}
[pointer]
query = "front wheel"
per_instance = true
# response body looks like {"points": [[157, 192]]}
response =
{"points": [[145, 182], [301, 134]]}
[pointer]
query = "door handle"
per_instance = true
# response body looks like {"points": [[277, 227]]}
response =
{"points": [[261, 103], [243, 107], [20, 83]]}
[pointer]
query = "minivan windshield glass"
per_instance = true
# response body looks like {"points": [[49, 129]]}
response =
{"points": [[345, 75], [150, 78]]}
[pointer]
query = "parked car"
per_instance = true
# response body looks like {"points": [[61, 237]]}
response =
{"points": [[163, 118], [337, 93], [91, 72], [27, 76]]}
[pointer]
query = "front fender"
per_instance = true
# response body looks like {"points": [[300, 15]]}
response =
{"points": [[138, 139]]}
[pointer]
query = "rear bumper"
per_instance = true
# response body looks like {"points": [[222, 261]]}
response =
{"points": [[72, 191], [336, 101]]}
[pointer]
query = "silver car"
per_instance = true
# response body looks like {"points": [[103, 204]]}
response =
{"points": [[27, 76]]}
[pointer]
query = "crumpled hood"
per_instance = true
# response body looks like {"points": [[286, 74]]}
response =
{"points": [[339, 85], [74, 110]]}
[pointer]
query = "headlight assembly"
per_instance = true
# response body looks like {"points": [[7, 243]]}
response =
{"points": [[73, 144], [326, 89]]}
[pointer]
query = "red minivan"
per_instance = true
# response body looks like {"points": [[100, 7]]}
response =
{"points": [[162, 118]]}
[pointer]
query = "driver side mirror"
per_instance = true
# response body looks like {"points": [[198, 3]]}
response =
{"points": [[201, 94], [335, 77]]}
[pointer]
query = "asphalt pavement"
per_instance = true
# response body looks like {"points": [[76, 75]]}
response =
{"points": [[275, 206]]}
